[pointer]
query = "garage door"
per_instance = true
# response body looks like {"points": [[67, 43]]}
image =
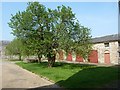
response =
{"points": [[93, 57], [107, 58], [79, 58], [69, 57]]}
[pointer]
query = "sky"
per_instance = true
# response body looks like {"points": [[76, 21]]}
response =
{"points": [[100, 17]]}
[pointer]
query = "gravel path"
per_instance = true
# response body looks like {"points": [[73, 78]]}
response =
{"points": [[15, 77]]}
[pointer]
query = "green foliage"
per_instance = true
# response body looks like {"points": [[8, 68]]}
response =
{"points": [[15, 47], [72, 37], [44, 31]]}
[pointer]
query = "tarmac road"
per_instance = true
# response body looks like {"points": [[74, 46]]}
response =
{"points": [[14, 76]]}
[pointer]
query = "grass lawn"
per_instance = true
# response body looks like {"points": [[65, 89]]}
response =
{"points": [[74, 75]]}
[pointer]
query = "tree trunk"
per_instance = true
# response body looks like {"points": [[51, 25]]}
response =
{"points": [[20, 57], [39, 58], [51, 61]]}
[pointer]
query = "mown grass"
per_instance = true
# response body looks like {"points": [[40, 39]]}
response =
{"points": [[74, 75]]}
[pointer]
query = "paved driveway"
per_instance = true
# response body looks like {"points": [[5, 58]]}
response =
{"points": [[15, 77]]}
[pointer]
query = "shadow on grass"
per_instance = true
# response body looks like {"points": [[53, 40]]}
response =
{"points": [[71, 65], [63, 65], [90, 78], [98, 77]]}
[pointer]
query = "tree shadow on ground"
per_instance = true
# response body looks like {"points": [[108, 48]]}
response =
{"points": [[90, 78], [48, 87], [64, 65], [71, 65], [97, 77]]}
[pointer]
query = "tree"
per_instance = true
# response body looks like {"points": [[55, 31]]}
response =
{"points": [[46, 31], [71, 36], [15, 47], [28, 26]]}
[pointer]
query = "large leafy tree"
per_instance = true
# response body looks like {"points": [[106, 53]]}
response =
{"points": [[71, 36], [45, 31]]}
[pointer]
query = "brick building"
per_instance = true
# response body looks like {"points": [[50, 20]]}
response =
{"points": [[105, 51]]}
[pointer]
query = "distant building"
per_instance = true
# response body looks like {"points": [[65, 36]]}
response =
{"points": [[106, 49], [2, 48]]}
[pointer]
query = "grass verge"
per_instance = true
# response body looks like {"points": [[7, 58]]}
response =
{"points": [[74, 75]]}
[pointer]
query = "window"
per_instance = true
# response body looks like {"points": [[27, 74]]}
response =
{"points": [[106, 44]]}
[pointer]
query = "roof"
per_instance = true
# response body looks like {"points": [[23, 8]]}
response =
{"points": [[108, 38]]}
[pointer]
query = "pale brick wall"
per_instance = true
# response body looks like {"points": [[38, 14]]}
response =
{"points": [[100, 48], [118, 55], [114, 55], [113, 49]]}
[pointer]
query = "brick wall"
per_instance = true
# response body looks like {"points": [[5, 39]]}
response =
{"points": [[112, 49]]}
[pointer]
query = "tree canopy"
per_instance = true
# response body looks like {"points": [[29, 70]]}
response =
{"points": [[45, 31]]}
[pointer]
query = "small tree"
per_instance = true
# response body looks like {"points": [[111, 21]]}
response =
{"points": [[15, 47]]}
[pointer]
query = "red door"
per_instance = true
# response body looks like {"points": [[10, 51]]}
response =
{"points": [[93, 57], [69, 57], [79, 58], [107, 58], [61, 56]]}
